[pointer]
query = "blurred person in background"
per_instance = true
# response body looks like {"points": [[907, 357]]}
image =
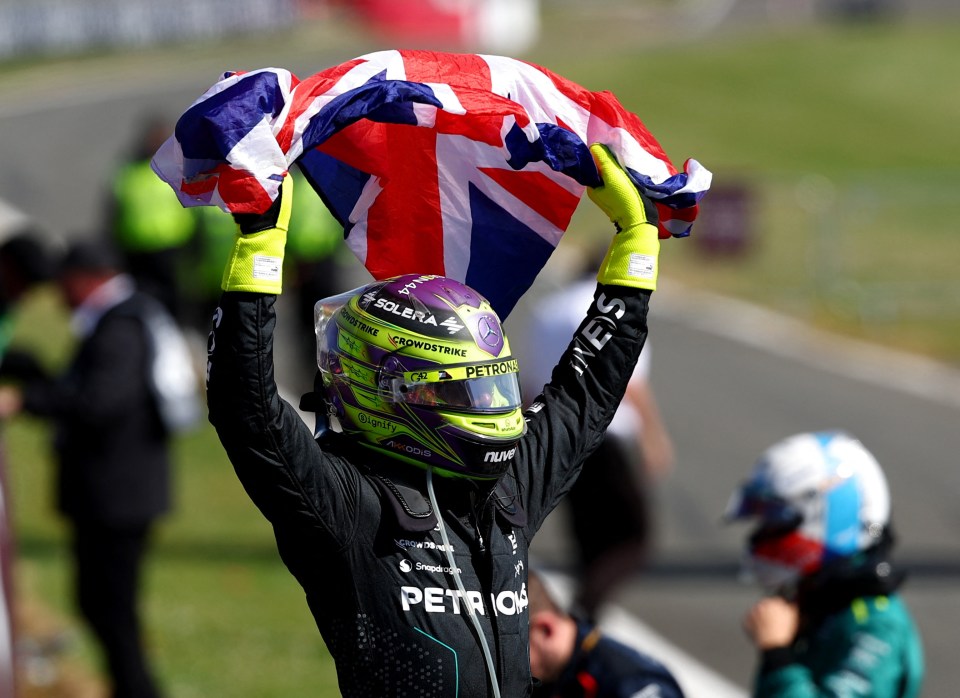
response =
{"points": [[112, 445], [312, 261], [24, 264], [206, 254], [832, 621], [314, 247], [147, 223], [573, 658], [609, 508]]}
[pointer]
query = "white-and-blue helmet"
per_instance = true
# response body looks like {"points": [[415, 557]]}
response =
{"points": [[816, 497]]}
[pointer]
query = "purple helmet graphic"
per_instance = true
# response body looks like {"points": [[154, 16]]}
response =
{"points": [[418, 367]]}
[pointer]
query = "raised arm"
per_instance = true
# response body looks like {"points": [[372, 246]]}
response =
{"points": [[270, 447], [567, 422]]}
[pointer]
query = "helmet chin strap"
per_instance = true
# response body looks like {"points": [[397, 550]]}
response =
{"points": [[471, 612]]}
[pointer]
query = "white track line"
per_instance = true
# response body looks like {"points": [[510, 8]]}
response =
{"points": [[788, 337]]}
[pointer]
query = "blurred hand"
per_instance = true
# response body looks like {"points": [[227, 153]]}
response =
{"points": [[653, 439], [772, 622], [11, 401], [658, 454]]}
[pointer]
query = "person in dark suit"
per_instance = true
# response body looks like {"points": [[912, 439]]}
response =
{"points": [[112, 449]]}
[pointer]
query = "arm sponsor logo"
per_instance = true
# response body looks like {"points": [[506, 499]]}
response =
{"points": [[597, 331], [212, 341]]}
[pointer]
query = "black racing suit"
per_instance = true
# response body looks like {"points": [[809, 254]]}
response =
{"points": [[358, 532]]}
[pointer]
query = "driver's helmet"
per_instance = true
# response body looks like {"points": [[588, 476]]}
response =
{"points": [[418, 367], [816, 497]]}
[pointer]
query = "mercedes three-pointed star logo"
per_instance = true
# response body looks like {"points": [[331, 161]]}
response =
{"points": [[488, 332]]}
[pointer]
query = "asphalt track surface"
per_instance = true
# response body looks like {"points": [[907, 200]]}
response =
{"points": [[731, 380]]}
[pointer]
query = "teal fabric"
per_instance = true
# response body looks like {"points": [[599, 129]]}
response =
{"points": [[871, 649]]}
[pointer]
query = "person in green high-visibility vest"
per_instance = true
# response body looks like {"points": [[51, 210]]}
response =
{"points": [[208, 254], [147, 222], [314, 260]]}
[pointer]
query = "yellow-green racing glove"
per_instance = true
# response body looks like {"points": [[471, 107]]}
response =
{"points": [[633, 256], [256, 263]]}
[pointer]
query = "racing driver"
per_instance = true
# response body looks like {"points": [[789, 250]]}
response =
{"points": [[407, 515]]}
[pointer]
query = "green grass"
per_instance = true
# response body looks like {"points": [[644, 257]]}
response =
{"points": [[846, 139], [830, 99], [845, 136], [223, 615]]}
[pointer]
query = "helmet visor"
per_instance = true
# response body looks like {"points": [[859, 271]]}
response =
{"points": [[760, 503], [486, 388]]}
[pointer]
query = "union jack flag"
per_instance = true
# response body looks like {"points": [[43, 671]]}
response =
{"points": [[464, 165]]}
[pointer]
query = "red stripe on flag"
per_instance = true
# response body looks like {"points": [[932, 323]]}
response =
{"points": [[539, 192], [456, 69], [242, 191], [468, 76], [238, 188], [605, 106], [204, 184], [308, 90], [360, 145], [404, 225]]}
